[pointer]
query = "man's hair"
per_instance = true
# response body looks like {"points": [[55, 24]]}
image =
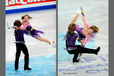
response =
{"points": [[17, 23], [71, 28]]}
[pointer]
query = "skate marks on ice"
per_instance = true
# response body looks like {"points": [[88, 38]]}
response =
{"points": [[91, 65], [41, 66]]}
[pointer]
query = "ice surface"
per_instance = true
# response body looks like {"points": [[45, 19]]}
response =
{"points": [[41, 66]]}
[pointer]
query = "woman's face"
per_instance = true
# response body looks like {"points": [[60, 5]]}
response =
{"points": [[26, 18], [90, 30]]}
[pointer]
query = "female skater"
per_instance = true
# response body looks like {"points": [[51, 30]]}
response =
{"points": [[33, 32], [72, 48], [87, 32]]}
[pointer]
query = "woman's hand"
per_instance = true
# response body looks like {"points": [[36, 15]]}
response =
{"points": [[82, 12], [82, 43]]}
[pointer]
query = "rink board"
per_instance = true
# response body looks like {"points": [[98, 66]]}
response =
{"points": [[31, 9], [27, 5]]}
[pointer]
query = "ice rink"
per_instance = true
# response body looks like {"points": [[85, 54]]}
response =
{"points": [[96, 13], [40, 53]]}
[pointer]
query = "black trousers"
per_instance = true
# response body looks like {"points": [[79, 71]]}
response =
{"points": [[21, 47], [79, 50]]}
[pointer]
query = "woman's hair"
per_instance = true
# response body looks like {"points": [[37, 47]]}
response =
{"points": [[94, 28], [71, 28], [26, 15], [17, 23]]}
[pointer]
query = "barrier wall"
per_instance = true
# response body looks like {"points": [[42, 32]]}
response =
{"points": [[16, 6]]}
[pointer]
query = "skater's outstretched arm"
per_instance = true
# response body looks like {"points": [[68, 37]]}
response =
{"points": [[15, 27], [75, 18], [23, 31], [84, 19]]}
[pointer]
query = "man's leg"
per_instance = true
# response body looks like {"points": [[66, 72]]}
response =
{"points": [[18, 51], [81, 49], [26, 58], [75, 57]]}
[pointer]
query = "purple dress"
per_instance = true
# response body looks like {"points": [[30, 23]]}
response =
{"points": [[34, 32], [84, 37], [81, 35]]}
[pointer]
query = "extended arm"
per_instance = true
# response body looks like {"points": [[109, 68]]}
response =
{"points": [[83, 17], [75, 18]]}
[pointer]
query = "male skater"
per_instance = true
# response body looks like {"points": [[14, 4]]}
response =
{"points": [[20, 45]]}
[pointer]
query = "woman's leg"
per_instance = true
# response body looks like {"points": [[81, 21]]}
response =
{"points": [[44, 40]]}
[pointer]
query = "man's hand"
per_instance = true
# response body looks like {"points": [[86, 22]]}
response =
{"points": [[82, 43], [15, 27]]}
